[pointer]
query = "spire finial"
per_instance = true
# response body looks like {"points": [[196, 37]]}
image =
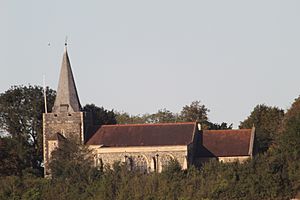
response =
{"points": [[66, 42]]}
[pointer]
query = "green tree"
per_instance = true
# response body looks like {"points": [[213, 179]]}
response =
{"points": [[72, 162], [21, 113], [162, 116], [267, 121], [126, 118], [14, 156], [100, 116], [216, 126], [194, 112], [288, 144]]}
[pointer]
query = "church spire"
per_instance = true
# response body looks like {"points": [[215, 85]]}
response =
{"points": [[66, 98]]}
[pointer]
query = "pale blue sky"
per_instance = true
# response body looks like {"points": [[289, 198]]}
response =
{"points": [[141, 56]]}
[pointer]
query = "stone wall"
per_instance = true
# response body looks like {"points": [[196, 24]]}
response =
{"points": [[227, 159], [70, 125], [144, 159]]}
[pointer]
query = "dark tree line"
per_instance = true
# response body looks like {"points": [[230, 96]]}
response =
{"points": [[21, 113], [189, 113], [267, 121]]}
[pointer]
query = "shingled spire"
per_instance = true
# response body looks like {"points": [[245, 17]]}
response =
{"points": [[66, 98]]}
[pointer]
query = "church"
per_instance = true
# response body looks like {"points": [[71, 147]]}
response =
{"points": [[144, 147]]}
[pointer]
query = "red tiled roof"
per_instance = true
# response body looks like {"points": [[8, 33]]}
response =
{"points": [[225, 143], [144, 135]]}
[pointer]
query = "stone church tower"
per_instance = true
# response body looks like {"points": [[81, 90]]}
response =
{"points": [[66, 119]]}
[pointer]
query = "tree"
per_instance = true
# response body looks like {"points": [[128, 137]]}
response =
{"points": [[100, 115], [126, 118], [267, 121], [72, 162], [162, 116], [194, 112], [288, 143], [216, 126], [72, 168], [21, 113], [13, 157]]}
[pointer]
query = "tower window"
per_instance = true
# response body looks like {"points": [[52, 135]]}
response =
{"points": [[64, 107]]}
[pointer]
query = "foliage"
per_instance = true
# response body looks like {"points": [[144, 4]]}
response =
{"points": [[288, 143], [267, 121], [21, 112], [173, 166], [216, 126], [126, 118], [194, 112], [14, 156], [190, 113], [100, 116], [260, 178], [162, 116], [72, 162]]}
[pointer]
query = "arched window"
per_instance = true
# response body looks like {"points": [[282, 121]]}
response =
{"points": [[164, 161], [140, 163]]}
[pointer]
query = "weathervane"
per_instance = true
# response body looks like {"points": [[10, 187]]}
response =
{"points": [[66, 41]]}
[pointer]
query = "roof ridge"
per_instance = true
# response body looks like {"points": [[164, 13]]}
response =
{"points": [[228, 130], [149, 124]]}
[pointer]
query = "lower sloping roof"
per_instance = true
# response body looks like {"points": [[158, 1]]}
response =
{"points": [[219, 143], [144, 135]]}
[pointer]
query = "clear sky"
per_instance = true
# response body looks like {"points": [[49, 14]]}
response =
{"points": [[141, 56]]}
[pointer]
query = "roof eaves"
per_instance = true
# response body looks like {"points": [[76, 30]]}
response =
{"points": [[250, 152]]}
